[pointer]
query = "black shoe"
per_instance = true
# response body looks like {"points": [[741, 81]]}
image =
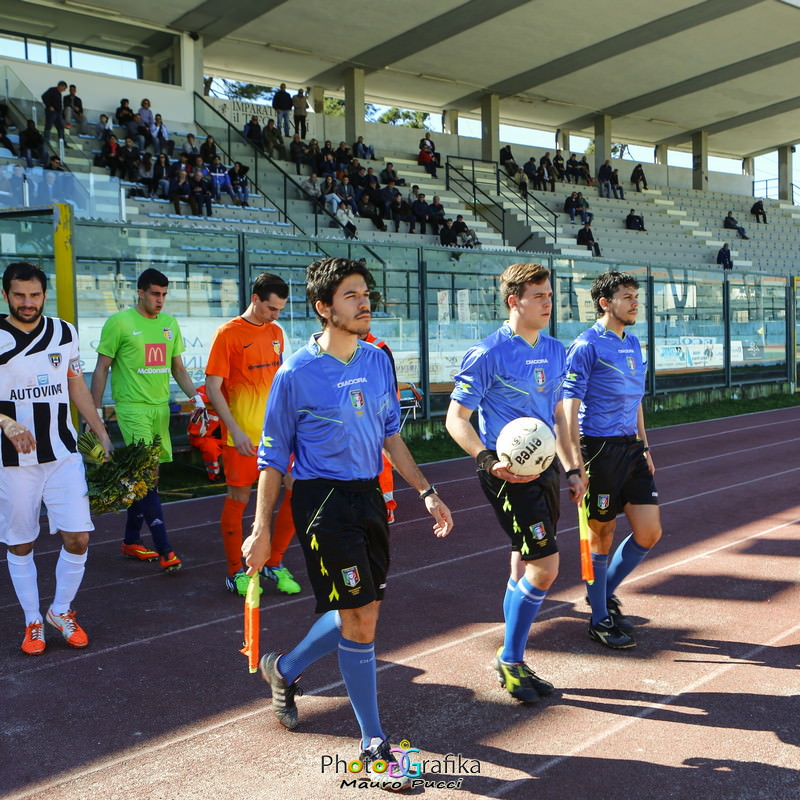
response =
{"points": [[282, 693], [391, 777], [614, 606], [607, 633], [520, 681]]}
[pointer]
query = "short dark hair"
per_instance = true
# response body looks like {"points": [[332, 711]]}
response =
{"points": [[62, 83], [517, 276], [324, 276], [266, 284], [23, 271], [607, 284], [151, 277]]}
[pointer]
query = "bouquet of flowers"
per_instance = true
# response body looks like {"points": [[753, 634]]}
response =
{"points": [[125, 477]]}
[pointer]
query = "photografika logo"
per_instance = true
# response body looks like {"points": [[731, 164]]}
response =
{"points": [[449, 769]]}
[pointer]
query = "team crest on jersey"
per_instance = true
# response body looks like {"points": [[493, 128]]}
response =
{"points": [[55, 359], [538, 531], [603, 501], [357, 398], [167, 333], [631, 363], [351, 577], [42, 380], [276, 346], [538, 375]]}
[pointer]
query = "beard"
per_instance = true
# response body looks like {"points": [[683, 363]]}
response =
{"points": [[355, 326], [17, 315]]}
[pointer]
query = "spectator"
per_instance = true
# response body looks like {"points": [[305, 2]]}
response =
{"points": [[638, 179], [342, 157], [368, 210], [103, 129], [466, 236], [530, 171], [387, 196], [388, 173], [198, 166], [220, 182], [6, 142], [273, 140], [412, 195], [146, 114], [200, 191], [53, 110], [426, 141], [571, 207], [159, 134], [208, 149], [312, 189], [328, 148], [359, 182], [252, 132], [401, 212], [146, 174], [328, 193], [282, 103], [731, 222], [545, 174], [436, 213], [363, 150], [328, 166], [604, 179], [54, 162], [73, 109], [586, 238], [585, 172], [558, 166], [757, 210], [583, 209], [314, 156], [422, 214], [724, 257], [346, 218], [297, 151], [238, 176], [616, 186], [347, 194], [182, 163], [300, 105], [449, 238], [573, 170], [129, 157], [507, 161], [18, 181], [190, 146], [135, 130], [634, 222], [124, 113], [31, 143], [427, 161], [547, 163], [179, 190], [48, 190], [109, 157], [522, 182], [161, 175]]}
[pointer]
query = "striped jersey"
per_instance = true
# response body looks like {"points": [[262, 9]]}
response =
{"points": [[607, 373], [34, 370], [333, 416], [506, 377]]}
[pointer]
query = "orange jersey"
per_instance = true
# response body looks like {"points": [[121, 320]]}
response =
{"points": [[246, 357]]}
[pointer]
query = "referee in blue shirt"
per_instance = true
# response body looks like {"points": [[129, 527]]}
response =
{"points": [[603, 398], [517, 372], [334, 406]]}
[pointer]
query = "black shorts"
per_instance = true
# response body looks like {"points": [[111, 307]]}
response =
{"points": [[527, 512], [344, 533], [618, 475]]}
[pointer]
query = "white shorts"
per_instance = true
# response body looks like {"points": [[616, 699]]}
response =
{"points": [[62, 486]]}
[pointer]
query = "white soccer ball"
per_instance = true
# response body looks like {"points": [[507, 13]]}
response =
{"points": [[526, 446]]}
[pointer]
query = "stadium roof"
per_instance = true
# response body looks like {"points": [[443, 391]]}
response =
{"points": [[662, 70]]}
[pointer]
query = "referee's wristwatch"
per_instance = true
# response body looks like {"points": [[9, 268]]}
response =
{"points": [[428, 492]]}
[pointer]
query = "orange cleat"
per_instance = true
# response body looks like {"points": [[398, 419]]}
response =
{"points": [[170, 562], [33, 644], [138, 551], [73, 634]]}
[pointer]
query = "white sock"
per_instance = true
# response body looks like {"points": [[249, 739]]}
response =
{"points": [[23, 576], [69, 574]]}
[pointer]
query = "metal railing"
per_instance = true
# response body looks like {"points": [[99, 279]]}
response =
{"points": [[770, 188]]}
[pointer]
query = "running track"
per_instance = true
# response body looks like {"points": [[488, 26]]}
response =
{"points": [[161, 706]]}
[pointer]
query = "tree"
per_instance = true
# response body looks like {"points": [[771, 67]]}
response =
{"points": [[335, 106], [404, 116], [236, 90]]}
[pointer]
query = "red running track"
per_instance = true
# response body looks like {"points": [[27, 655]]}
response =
{"points": [[161, 706]]}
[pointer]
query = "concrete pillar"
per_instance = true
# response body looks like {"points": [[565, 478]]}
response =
{"points": [[562, 140], [700, 161], [602, 140], [191, 76], [748, 166], [660, 154], [450, 121], [353, 104], [490, 127], [785, 172], [316, 99]]}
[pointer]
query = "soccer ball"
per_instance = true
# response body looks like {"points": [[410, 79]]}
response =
{"points": [[526, 446]]}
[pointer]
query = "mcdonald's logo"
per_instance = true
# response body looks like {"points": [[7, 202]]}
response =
{"points": [[155, 355]]}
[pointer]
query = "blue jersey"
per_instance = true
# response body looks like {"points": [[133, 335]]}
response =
{"points": [[607, 374], [332, 416], [506, 377]]}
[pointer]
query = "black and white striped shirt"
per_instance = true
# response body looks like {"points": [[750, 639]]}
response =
{"points": [[34, 370]]}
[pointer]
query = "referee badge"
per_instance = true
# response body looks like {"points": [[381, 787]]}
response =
{"points": [[351, 577], [55, 359], [538, 531], [357, 398], [631, 363], [603, 501], [538, 375]]}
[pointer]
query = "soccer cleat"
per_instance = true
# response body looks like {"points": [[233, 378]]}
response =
{"points": [[138, 551], [33, 644], [73, 634], [282, 578], [388, 775], [170, 562], [520, 681], [238, 583], [607, 633], [614, 606], [282, 693]]}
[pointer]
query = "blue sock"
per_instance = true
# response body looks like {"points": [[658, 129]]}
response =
{"points": [[510, 586], [150, 506], [523, 608], [626, 558], [133, 523], [322, 638], [597, 590], [357, 664]]}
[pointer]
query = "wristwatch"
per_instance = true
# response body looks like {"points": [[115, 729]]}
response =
{"points": [[428, 492]]}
